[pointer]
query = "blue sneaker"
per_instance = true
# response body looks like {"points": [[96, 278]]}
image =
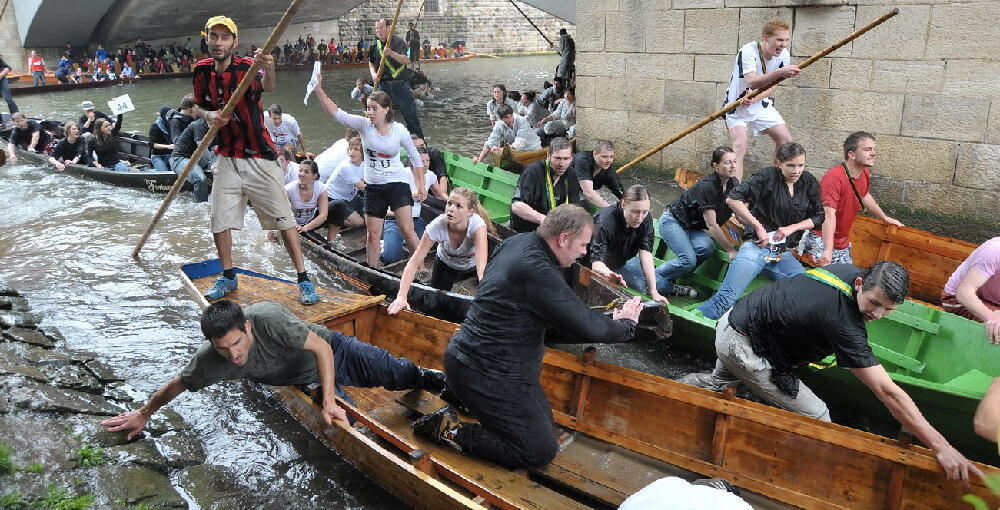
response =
{"points": [[307, 293], [222, 287]]}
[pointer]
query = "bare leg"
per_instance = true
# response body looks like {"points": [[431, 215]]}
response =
{"points": [[374, 227], [224, 246], [404, 217], [738, 137], [291, 238], [780, 134], [354, 220]]}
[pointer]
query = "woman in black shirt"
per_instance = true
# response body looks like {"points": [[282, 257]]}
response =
{"points": [[777, 204], [105, 145], [683, 224], [69, 150]]}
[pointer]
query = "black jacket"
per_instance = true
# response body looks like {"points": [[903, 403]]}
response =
{"points": [[523, 291]]}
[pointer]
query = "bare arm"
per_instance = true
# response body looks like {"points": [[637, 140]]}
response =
{"points": [[325, 100], [829, 227], [968, 298], [270, 81], [321, 213], [135, 421], [869, 202], [742, 212], [321, 349], [903, 409], [410, 272], [987, 420], [756, 80], [591, 194], [526, 212], [649, 272], [33, 146], [302, 141], [715, 231], [481, 240]]}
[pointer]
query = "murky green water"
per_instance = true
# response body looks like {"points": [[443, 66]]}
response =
{"points": [[66, 243]]}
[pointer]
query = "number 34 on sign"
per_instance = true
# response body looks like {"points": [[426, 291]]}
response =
{"points": [[121, 104]]}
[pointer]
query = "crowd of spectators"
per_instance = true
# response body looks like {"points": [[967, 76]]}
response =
{"points": [[129, 62], [306, 50]]}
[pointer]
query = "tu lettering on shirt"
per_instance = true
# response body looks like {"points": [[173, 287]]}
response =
{"points": [[379, 162]]}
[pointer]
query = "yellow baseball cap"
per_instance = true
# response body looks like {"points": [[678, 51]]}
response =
{"points": [[221, 20]]}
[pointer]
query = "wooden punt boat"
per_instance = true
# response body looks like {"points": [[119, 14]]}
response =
{"points": [[944, 362], [620, 430], [346, 259], [930, 258], [133, 149], [53, 85]]}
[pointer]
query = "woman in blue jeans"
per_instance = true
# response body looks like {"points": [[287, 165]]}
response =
{"points": [[683, 223], [777, 205]]}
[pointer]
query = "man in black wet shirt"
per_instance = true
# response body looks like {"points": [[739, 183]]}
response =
{"points": [[496, 357], [799, 320]]}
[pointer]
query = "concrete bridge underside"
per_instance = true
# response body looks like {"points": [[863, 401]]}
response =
{"points": [[53, 23]]}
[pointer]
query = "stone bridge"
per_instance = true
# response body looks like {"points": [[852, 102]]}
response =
{"points": [[53, 23]]}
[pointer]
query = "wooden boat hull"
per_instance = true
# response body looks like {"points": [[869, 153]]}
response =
{"points": [[917, 344], [621, 430], [57, 86], [349, 265], [133, 149]]}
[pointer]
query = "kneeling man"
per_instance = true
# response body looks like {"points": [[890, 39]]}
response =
{"points": [[803, 319], [495, 359], [267, 344]]}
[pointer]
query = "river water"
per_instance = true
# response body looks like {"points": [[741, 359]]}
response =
{"points": [[66, 243]]}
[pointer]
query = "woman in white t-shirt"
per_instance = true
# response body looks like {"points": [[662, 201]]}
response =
{"points": [[345, 188], [462, 246], [386, 182], [308, 197]]}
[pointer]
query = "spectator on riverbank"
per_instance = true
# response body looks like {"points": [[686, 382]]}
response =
{"points": [[101, 54], [5, 69], [64, 73], [36, 65]]}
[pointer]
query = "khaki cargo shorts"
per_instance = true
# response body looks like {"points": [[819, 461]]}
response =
{"points": [[237, 180]]}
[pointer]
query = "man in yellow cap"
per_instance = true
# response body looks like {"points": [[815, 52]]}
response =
{"points": [[246, 168]]}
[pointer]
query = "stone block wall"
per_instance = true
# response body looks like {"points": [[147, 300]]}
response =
{"points": [[926, 83]]}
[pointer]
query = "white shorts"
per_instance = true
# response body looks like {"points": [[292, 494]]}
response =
{"points": [[260, 181], [757, 118]]}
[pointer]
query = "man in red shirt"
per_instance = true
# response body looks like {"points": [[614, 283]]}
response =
{"points": [[246, 168], [844, 190], [36, 65]]}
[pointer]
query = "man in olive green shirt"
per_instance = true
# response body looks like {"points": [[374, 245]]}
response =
{"points": [[267, 344]]}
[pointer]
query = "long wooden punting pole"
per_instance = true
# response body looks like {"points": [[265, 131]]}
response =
{"points": [[802, 65], [532, 22], [388, 45], [226, 111]]}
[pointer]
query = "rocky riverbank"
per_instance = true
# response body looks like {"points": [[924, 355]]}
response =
{"points": [[54, 453]]}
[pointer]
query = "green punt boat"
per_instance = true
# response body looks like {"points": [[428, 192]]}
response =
{"points": [[943, 361]]}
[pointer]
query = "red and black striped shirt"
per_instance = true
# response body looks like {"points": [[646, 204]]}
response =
{"points": [[244, 136]]}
